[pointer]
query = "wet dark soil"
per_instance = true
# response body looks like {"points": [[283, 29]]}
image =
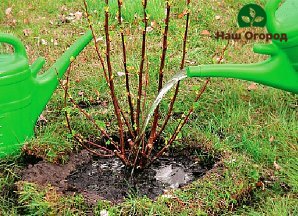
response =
{"points": [[107, 178], [44, 173]]}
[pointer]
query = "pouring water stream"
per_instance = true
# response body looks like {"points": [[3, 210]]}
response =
{"points": [[176, 78]]}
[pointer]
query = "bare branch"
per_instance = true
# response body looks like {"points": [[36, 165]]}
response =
{"points": [[65, 97], [111, 80], [95, 42], [184, 121], [141, 66], [88, 116], [80, 139], [152, 136], [181, 124], [173, 100], [131, 108]]}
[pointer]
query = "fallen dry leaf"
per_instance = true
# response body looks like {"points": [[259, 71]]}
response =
{"points": [[260, 184], [120, 73], [153, 24], [149, 29], [81, 93], [78, 15], [43, 42], [205, 32], [190, 62], [252, 86], [42, 119], [99, 39], [217, 17], [271, 139], [276, 166], [26, 21], [27, 32], [13, 22], [8, 12], [182, 14], [63, 82]]}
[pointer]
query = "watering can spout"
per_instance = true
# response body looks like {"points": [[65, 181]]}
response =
{"points": [[46, 83], [277, 71]]}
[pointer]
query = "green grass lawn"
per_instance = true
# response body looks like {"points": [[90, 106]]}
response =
{"points": [[254, 132]]}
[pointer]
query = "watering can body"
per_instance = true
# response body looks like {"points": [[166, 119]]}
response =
{"points": [[280, 70], [24, 94]]}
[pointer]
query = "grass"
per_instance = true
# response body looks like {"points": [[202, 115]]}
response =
{"points": [[252, 130]]}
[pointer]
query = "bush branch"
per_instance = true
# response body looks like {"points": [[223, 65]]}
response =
{"points": [[141, 66], [111, 80], [173, 100], [131, 108], [152, 136]]}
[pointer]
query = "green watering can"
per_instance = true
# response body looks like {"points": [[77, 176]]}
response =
{"points": [[281, 69], [24, 94]]}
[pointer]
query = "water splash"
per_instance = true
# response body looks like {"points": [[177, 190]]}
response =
{"points": [[176, 78]]}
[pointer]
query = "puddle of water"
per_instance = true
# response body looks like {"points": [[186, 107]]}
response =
{"points": [[174, 176]]}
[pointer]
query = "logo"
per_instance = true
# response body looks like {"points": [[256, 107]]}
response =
{"points": [[252, 15]]}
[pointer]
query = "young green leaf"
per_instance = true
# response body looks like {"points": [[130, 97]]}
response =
{"points": [[252, 12], [246, 19]]}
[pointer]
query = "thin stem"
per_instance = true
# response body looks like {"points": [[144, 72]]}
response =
{"points": [[145, 88], [184, 121], [131, 108], [184, 51], [95, 42], [141, 67], [111, 80], [142, 140], [181, 124], [130, 130], [88, 116], [152, 136], [100, 147], [65, 98], [66, 95], [82, 142]]}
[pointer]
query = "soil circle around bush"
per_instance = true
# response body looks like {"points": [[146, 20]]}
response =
{"points": [[107, 178]]}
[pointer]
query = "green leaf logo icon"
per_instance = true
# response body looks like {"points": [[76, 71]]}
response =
{"points": [[252, 15]]}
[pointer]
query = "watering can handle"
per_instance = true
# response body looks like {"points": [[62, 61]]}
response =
{"points": [[18, 46]]}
